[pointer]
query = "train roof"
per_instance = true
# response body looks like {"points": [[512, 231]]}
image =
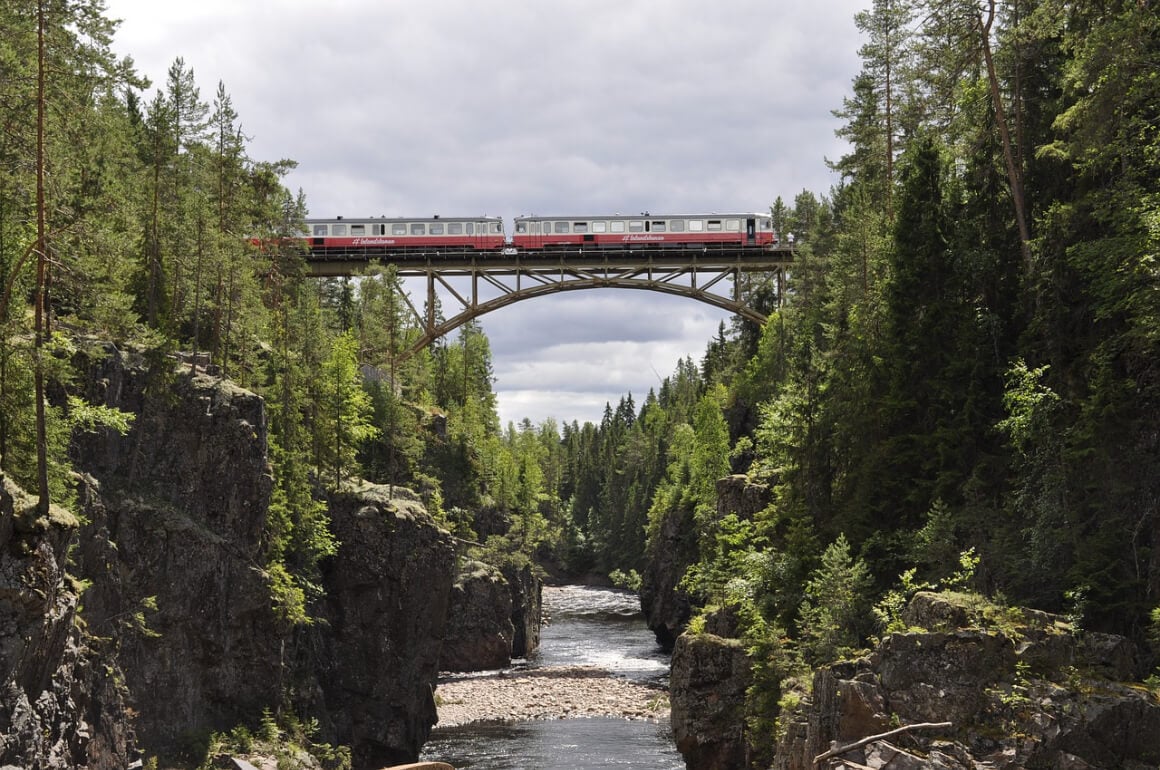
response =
{"points": [[648, 215], [435, 218]]}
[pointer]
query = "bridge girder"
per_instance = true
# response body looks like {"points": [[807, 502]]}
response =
{"points": [[491, 284]]}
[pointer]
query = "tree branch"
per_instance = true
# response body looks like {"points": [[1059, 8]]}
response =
{"points": [[880, 737]]}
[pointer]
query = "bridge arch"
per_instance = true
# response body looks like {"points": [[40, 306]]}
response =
{"points": [[487, 284]]}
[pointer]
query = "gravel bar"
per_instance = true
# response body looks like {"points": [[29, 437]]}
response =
{"points": [[558, 692]]}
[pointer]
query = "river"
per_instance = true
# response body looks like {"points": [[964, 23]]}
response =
{"points": [[588, 627]]}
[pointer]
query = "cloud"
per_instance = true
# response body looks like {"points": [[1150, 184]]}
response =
{"points": [[511, 107]]}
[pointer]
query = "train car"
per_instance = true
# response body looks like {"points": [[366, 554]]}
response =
{"points": [[645, 231], [384, 236]]}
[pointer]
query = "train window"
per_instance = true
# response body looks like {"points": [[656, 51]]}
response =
{"points": [[378, 229], [358, 229], [767, 224], [398, 229], [521, 227], [677, 225], [436, 228], [599, 227], [497, 228], [471, 228], [617, 225], [560, 227], [696, 225], [658, 226], [338, 229], [320, 230], [636, 226], [714, 225], [418, 228], [733, 225], [579, 227], [455, 228]]}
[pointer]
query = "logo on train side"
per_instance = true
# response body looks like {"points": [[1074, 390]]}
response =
{"points": [[374, 241], [636, 238]]}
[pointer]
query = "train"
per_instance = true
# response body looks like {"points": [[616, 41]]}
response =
{"points": [[379, 236]]}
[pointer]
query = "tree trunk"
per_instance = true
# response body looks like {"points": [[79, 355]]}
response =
{"points": [[41, 270], [1014, 165]]}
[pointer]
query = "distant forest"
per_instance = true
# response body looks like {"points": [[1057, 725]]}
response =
{"points": [[959, 386]]}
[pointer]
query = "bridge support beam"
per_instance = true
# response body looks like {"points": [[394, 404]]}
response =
{"points": [[481, 284]]}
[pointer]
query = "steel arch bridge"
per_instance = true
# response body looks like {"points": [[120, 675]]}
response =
{"points": [[483, 284]]}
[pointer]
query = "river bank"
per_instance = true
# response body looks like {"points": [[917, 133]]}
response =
{"points": [[559, 692]]}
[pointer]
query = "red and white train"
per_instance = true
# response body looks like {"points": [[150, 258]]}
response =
{"points": [[382, 235], [403, 235], [681, 231]]}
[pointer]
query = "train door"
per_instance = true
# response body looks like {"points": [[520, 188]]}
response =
{"points": [[751, 231]]}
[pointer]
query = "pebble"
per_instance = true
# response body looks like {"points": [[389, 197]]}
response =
{"points": [[559, 692]]}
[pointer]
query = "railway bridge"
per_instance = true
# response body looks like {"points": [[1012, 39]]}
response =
{"points": [[725, 276]]}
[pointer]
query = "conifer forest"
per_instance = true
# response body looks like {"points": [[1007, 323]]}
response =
{"points": [[959, 387]]}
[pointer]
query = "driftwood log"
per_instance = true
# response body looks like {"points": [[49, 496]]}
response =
{"points": [[880, 737]]}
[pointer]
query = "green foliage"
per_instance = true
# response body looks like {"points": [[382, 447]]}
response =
{"points": [[288, 595], [832, 621], [1030, 405], [888, 610], [343, 421], [965, 575], [282, 737], [89, 418], [725, 562], [628, 580]]}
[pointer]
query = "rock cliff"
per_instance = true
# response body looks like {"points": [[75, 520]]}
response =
{"points": [[494, 616], [1011, 688], [374, 657], [173, 550], [62, 704]]}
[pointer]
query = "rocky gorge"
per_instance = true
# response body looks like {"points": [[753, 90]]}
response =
{"points": [[143, 623]]}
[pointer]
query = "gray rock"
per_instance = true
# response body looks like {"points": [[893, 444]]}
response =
{"points": [[710, 676], [479, 631]]}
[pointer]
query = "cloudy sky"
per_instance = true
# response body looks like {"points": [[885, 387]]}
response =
{"points": [[467, 107]]}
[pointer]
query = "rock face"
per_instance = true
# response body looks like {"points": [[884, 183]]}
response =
{"points": [[527, 609], [1005, 707], [175, 548], [479, 628], [494, 616], [375, 657], [710, 675], [176, 523], [673, 549], [61, 705], [1018, 689]]}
